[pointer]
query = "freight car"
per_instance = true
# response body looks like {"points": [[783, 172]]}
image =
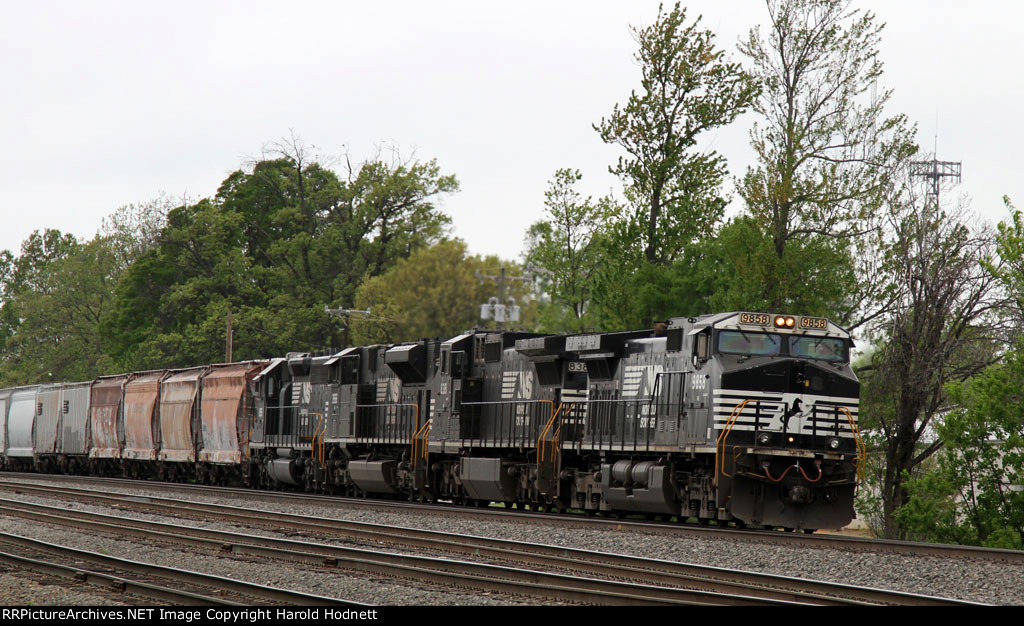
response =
{"points": [[744, 418]]}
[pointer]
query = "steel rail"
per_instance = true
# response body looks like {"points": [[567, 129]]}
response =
{"points": [[481, 576], [819, 540], [592, 563], [221, 584], [109, 582]]}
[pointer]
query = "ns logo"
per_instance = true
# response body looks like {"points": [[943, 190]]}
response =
{"points": [[517, 385]]}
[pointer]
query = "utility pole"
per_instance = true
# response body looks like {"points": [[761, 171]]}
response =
{"points": [[496, 308], [344, 315]]}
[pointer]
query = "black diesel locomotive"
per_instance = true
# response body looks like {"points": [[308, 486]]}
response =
{"points": [[737, 417]]}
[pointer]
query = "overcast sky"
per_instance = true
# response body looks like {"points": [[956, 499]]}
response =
{"points": [[110, 103]]}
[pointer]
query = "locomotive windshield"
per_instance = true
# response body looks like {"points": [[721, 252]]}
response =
{"points": [[757, 344], [825, 348]]}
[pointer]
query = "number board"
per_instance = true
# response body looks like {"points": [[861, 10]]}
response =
{"points": [[758, 319], [817, 323]]}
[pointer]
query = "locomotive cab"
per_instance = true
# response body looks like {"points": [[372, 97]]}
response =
{"points": [[785, 420]]}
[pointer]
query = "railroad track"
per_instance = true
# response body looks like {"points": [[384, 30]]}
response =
{"points": [[860, 544], [146, 580], [582, 576]]}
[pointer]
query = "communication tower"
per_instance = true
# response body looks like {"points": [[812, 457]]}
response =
{"points": [[934, 172]]}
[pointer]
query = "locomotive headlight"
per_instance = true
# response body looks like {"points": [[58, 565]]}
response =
{"points": [[782, 321], [833, 443], [763, 439]]}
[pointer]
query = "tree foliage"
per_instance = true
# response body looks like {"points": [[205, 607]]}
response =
{"points": [[58, 291], [973, 495], [673, 189], [568, 245], [1009, 269], [278, 243], [435, 292], [738, 270], [826, 152], [944, 327], [688, 88]]}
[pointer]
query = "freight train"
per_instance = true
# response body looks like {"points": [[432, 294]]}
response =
{"points": [[738, 418]]}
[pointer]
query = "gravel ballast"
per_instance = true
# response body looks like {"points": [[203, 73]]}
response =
{"points": [[972, 580]]}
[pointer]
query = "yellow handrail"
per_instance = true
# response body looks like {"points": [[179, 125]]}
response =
{"points": [[544, 433], [727, 430], [318, 436], [861, 448], [423, 434], [722, 436], [541, 447]]}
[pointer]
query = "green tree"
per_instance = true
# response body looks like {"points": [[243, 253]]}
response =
{"points": [[278, 243], [1009, 269], [826, 152], [737, 270], [435, 292], [567, 245], [973, 494], [56, 295], [21, 278], [687, 89], [943, 327], [673, 189], [174, 290]]}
